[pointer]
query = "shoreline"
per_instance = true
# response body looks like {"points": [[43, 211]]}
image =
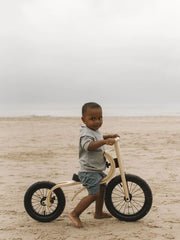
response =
{"points": [[76, 117]]}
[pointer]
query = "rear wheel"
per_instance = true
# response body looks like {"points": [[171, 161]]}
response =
{"points": [[35, 201], [140, 198]]}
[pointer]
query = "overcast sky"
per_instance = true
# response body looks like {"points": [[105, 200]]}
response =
{"points": [[73, 51]]}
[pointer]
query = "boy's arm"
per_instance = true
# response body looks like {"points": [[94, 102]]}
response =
{"points": [[96, 144], [110, 136]]}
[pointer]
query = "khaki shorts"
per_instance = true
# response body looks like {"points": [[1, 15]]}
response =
{"points": [[91, 180]]}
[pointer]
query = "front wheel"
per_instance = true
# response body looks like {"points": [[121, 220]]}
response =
{"points": [[140, 198], [35, 202]]}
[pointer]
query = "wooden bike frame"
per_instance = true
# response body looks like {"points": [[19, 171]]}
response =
{"points": [[104, 180]]}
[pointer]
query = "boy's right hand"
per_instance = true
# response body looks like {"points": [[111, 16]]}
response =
{"points": [[110, 141]]}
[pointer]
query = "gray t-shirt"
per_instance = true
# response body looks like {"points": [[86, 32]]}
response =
{"points": [[90, 161]]}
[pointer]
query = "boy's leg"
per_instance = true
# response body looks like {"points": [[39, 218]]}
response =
{"points": [[82, 205], [99, 204]]}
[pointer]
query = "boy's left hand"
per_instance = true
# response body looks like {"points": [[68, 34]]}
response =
{"points": [[115, 136], [109, 141]]}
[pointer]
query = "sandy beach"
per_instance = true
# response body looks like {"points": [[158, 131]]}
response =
{"points": [[46, 148]]}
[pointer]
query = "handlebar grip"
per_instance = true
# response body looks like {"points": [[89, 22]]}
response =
{"points": [[117, 139]]}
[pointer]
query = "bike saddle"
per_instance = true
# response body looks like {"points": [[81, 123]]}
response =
{"points": [[75, 177]]}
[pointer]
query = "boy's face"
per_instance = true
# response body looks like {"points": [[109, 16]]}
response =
{"points": [[93, 118]]}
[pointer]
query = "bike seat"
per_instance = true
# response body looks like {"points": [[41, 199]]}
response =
{"points": [[75, 177]]}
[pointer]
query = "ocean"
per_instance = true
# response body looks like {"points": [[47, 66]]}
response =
{"points": [[74, 110]]}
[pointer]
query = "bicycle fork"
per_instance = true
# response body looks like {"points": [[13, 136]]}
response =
{"points": [[121, 169]]}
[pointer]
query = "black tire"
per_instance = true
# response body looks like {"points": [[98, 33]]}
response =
{"points": [[140, 198], [34, 202]]}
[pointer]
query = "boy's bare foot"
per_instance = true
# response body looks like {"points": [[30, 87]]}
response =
{"points": [[103, 215], [76, 220]]}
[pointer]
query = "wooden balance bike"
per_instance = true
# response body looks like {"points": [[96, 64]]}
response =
{"points": [[128, 197]]}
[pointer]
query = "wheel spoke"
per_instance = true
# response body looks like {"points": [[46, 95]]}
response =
{"points": [[140, 198], [137, 191], [38, 199], [133, 187], [120, 188], [137, 198], [134, 208], [37, 195], [41, 192], [35, 201]]}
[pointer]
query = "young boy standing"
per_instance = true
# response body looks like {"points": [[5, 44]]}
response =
{"points": [[92, 162]]}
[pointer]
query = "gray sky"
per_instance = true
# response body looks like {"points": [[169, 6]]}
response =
{"points": [[125, 52]]}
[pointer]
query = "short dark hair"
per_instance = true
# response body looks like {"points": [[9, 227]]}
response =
{"points": [[89, 105]]}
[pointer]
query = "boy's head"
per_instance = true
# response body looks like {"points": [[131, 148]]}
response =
{"points": [[92, 115]]}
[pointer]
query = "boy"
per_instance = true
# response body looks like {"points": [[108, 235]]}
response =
{"points": [[92, 162]]}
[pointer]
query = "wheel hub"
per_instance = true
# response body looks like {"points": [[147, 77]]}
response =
{"points": [[43, 201], [130, 198]]}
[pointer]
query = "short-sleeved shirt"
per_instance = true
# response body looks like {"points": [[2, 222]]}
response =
{"points": [[90, 161]]}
